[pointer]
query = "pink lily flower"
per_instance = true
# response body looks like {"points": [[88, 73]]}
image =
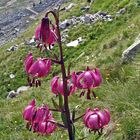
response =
{"points": [[87, 80], [96, 119], [40, 68], [44, 33], [41, 120], [36, 69], [29, 111], [57, 86]]}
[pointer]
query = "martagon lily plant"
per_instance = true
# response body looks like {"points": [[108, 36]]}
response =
{"points": [[40, 119]]}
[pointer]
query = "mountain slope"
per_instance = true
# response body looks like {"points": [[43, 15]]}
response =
{"points": [[103, 45]]}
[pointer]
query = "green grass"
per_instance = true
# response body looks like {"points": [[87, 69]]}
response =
{"points": [[103, 46]]}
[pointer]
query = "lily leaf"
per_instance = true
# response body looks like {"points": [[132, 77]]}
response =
{"points": [[64, 118], [60, 100], [55, 104]]}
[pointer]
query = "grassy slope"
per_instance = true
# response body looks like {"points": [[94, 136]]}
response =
{"points": [[104, 43]]}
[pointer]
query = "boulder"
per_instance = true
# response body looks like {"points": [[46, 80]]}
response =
{"points": [[131, 51]]}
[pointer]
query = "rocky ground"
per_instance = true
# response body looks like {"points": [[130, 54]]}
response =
{"points": [[16, 16]]}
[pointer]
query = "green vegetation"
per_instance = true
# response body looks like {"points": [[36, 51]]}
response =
{"points": [[103, 46]]}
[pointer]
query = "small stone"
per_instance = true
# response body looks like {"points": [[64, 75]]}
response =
{"points": [[22, 89], [11, 94], [121, 11], [85, 9], [17, 29], [12, 76], [65, 23], [69, 6], [13, 48], [32, 41], [86, 18], [75, 42]]}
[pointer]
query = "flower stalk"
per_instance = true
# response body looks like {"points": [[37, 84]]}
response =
{"points": [[64, 78]]}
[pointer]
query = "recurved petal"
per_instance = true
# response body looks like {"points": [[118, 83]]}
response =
{"points": [[74, 78], [93, 122], [79, 79], [50, 127], [54, 85], [28, 62], [33, 102], [60, 87], [102, 118], [42, 127], [48, 66], [28, 113], [87, 80], [107, 116], [52, 38], [37, 32]]}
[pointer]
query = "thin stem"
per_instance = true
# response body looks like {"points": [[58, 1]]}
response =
{"points": [[78, 118], [59, 124], [55, 110], [63, 70], [56, 61]]}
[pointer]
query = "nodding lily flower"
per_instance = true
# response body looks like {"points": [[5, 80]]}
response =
{"points": [[40, 120], [57, 86], [44, 34], [96, 119], [36, 69], [29, 111], [42, 116], [87, 79]]}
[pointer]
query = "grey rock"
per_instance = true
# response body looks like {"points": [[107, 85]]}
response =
{"points": [[121, 11], [137, 38], [86, 18], [85, 9], [65, 23], [70, 6], [17, 29], [131, 51], [11, 94], [104, 16], [22, 89], [75, 42], [32, 41], [13, 48]]}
